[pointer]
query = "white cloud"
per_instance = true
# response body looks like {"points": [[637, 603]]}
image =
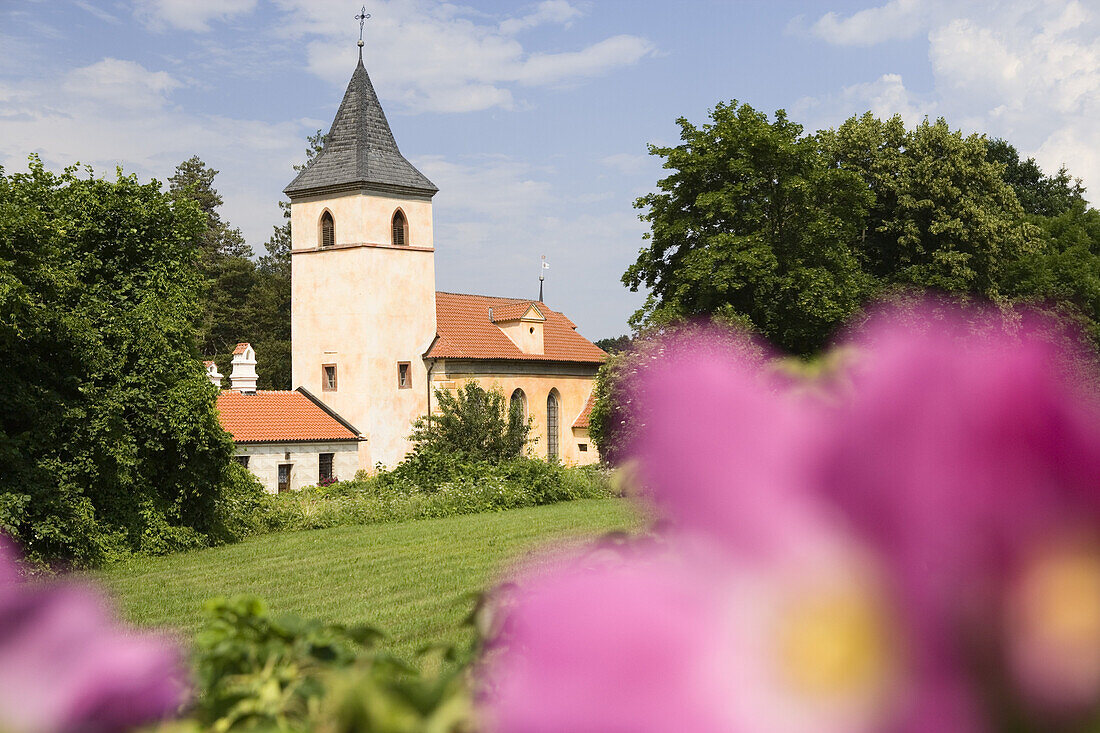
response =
{"points": [[1023, 70], [496, 215], [117, 112], [597, 59], [442, 58], [558, 12], [884, 97], [189, 15], [119, 83], [630, 164], [896, 19]]}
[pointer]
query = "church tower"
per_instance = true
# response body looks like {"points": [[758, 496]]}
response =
{"points": [[363, 274]]}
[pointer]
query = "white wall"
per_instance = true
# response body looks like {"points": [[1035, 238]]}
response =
{"points": [[264, 460]]}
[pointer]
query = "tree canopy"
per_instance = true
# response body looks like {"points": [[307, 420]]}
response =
{"points": [[790, 235], [109, 437]]}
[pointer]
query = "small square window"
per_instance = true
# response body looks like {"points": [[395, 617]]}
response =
{"points": [[243, 460], [404, 380], [324, 467], [328, 378], [582, 447]]}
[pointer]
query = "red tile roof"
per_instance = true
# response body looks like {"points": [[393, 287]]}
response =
{"points": [[276, 417], [465, 331], [582, 419], [241, 348], [514, 311]]}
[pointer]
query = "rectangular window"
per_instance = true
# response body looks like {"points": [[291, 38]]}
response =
{"points": [[328, 378], [243, 460], [324, 467], [582, 447], [404, 380], [284, 477]]}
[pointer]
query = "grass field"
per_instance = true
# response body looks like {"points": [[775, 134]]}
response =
{"points": [[408, 579]]}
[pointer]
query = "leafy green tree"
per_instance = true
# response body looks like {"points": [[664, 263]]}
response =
{"points": [[109, 437], [942, 216], [224, 261], [473, 424], [615, 345], [1063, 275], [1038, 193], [752, 227]]}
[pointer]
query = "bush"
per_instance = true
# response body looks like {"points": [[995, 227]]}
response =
{"points": [[459, 488], [256, 671], [473, 424]]}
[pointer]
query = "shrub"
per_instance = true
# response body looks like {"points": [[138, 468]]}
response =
{"points": [[256, 671], [472, 424], [465, 488]]}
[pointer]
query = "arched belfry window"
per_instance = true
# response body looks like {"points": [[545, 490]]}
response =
{"points": [[328, 231], [552, 410], [400, 229]]}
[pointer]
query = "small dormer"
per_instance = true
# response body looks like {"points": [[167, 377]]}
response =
{"points": [[523, 324], [243, 377]]}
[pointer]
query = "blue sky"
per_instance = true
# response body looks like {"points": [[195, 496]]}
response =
{"points": [[532, 118]]}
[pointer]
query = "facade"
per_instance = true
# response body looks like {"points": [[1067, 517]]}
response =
{"points": [[288, 439], [370, 335]]}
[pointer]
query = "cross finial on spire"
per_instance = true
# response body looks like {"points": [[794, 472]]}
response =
{"points": [[362, 18]]}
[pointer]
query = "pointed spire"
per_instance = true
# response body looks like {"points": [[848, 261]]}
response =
{"points": [[360, 150]]}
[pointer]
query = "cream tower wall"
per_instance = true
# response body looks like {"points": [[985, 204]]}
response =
{"points": [[365, 306]]}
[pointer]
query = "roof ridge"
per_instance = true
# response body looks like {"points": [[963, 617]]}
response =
{"points": [[496, 297]]}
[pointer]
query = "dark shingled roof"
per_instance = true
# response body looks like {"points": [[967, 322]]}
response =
{"points": [[359, 149]]}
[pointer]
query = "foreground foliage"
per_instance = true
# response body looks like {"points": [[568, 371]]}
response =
{"points": [[109, 439], [259, 671]]}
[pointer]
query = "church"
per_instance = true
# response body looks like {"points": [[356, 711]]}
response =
{"points": [[372, 339]]}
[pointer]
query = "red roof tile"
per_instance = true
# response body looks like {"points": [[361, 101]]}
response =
{"points": [[241, 348], [514, 311], [582, 419], [275, 417], [465, 331]]}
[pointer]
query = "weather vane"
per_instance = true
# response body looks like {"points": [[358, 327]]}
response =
{"points": [[362, 18]]}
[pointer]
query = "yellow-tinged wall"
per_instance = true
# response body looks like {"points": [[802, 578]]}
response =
{"points": [[360, 218], [364, 308], [574, 384]]}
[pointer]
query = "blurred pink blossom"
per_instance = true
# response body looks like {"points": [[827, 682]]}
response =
{"points": [[65, 664], [885, 560]]}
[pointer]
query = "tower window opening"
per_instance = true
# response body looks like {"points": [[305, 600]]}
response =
{"points": [[400, 229], [328, 231]]}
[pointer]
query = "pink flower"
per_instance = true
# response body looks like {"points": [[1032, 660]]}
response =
{"points": [[965, 455], [894, 559], [663, 640], [758, 614], [66, 666]]}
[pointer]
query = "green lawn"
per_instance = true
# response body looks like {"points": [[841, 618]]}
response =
{"points": [[407, 579]]}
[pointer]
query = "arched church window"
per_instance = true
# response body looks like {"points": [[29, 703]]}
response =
{"points": [[400, 229], [552, 409], [328, 231], [518, 402]]}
